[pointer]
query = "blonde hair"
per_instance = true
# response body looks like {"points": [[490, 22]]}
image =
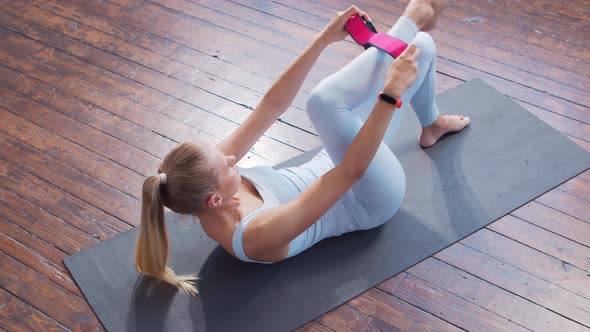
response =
{"points": [[188, 183]]}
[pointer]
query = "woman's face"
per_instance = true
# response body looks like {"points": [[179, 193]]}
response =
{"points": [[224, 167]]}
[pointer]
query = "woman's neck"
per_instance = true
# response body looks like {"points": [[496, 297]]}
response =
{"points": [[225, 214], [220, 225]]}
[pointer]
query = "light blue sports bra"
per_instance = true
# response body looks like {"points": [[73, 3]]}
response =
{"points": [[276, 187]]}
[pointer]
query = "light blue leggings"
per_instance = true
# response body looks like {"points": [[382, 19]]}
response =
{"points": [[340, 103]]}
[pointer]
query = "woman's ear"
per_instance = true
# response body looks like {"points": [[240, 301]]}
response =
{"points": [[215, 201]]}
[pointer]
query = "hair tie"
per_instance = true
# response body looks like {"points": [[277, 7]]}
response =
{"points": [[162, 178]]}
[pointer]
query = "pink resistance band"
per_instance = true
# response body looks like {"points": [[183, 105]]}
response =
{"points": [[366, 35]]}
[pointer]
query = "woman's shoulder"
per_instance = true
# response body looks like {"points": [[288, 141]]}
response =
{"points": [[252, 246], [244, 231]]}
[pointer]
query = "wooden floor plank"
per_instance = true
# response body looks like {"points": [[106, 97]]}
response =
{"points": [[452, 308], [90, 92], [17, 316], [47, 297], [212, 40], [73, 130], [263, 14], [111, 124], [179, 56], [116, 176], [398, 313], [377, 325], [17, 47], [231, 18], [555, 221], [563, 124], [276, 55], [232, 110], [179, 131], [566, 203], [515, 90], [30, 158], [20, 46], [392, 284], [69, 208], [37, 262], [32, 241], [518, 282], [529, 259], [42, 224], [71, 67], [492, 298], [559, 20], [201, 92], [579, 186], [282, 18], [313, 326], [583, 144], [185, 47], [345, 318], [553, 244], [527, 33]]}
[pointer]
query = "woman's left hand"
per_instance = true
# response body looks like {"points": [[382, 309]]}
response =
{"points": [[335, 31]]}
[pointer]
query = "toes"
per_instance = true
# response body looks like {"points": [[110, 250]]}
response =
{"points": [[461, 118], [456, 116], [467, 121]]}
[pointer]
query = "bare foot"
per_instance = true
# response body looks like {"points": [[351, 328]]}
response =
{"points": [[425, 12], [443, 125]]}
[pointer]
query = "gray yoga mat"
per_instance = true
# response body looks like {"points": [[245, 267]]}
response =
{"points": [[506, 158]]}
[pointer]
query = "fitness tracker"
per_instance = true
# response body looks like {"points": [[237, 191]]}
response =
{"points": [[390, 99]]}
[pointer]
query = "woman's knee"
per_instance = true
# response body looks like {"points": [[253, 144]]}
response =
{"points": [[396, 198], [384, 193], [427, 47], [322, 101], [317, 99], [393, 191], [387, 212], [381, 215]]}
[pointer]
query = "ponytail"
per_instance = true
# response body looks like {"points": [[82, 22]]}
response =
{"points": [[151, 248]]}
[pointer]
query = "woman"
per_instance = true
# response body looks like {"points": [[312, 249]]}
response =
{"points": [[356, 182]]}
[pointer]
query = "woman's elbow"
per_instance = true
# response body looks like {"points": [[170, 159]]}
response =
{"points": [[354, 172]]}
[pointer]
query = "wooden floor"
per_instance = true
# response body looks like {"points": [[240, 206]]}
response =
{"points": [[94, 93]]}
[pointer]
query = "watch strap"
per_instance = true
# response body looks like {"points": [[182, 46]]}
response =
{"points": [[390, 99]]}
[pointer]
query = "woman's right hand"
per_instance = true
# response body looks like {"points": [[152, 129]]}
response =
{"points": [[402, 72], [335, 31]]}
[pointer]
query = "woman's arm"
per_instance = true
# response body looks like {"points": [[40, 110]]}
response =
{"points": [[268, 235], [274, 103], [281, 94]]}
